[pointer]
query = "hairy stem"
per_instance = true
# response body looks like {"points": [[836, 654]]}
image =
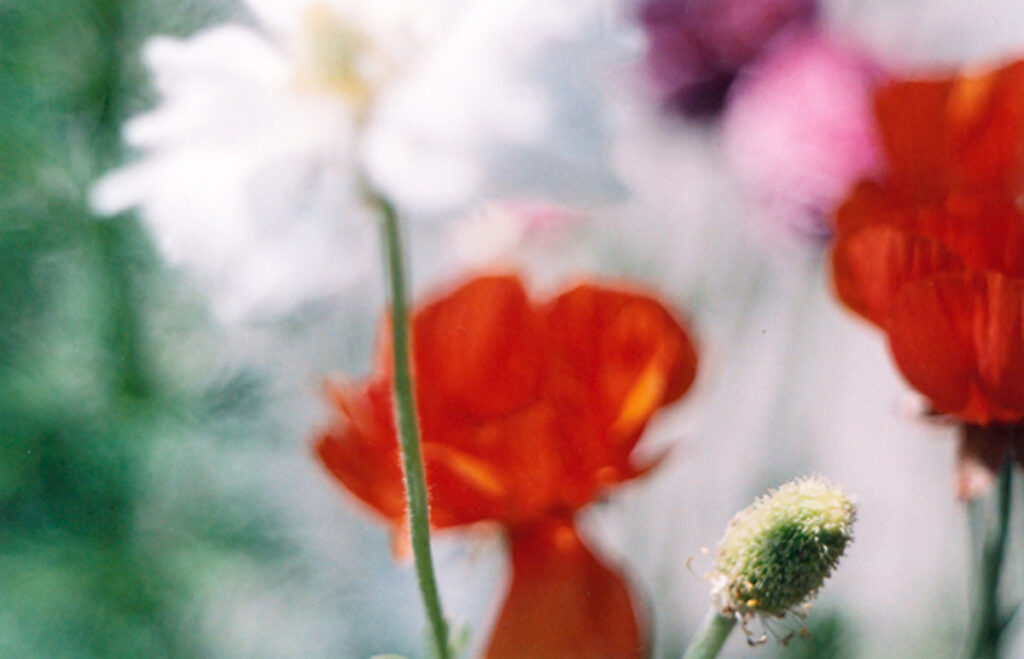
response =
{"points": [[407, 423]]}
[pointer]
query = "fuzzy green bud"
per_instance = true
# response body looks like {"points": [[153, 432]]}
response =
{"points": [[777, 553]]}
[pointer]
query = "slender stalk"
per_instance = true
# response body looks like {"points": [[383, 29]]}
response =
{"points": [[115, 236], [406, 420], [711, 636], [988, 622]]}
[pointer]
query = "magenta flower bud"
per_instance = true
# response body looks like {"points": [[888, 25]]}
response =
{"points": [[696, 47]]}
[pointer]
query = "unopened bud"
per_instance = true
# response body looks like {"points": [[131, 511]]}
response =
{"points": [[777, 553]]}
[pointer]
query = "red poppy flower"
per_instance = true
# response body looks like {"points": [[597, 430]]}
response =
{"points": [[933, 254], [529, 411]]}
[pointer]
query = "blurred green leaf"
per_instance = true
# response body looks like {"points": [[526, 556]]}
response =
{"points": [[84, 571]]}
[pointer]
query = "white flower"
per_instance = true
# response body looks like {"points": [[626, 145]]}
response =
{"points": [[251, 165]]}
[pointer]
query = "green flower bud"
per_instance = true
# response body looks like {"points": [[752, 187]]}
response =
{"points": [[777, 553]]}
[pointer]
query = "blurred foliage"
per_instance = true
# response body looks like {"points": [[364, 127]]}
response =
{"points": [[828, 637], [84, 400]]}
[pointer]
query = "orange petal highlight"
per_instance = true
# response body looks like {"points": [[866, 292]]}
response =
{"points": [[965, 132], [563, 603], [986, 116], [617, 353]]}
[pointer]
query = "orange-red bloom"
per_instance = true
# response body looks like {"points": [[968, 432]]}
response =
{"points": [[529, 411], [933, 254]]}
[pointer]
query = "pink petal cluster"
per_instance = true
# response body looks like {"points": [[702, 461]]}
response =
{"points": [[799, 131]]}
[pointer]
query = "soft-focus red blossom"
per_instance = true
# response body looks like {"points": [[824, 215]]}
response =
{"points": [[695, 48], [933, 252], [529, 412], [799, 131]]}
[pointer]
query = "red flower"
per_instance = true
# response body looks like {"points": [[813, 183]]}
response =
{"points": [[528, 412], [933, 254]]}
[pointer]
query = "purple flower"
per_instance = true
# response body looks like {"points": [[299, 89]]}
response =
{"points": [[697, 47]]}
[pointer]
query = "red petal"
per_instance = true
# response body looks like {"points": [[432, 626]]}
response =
{"points": [[911, 119], [984, 233], [507, 469], [986, 116], [361, 451], [959, 133], [478, 350], [617, 354], [868, 203], [999, 339], [959, 339], [563, 603], [871, 265], [523, 410]]}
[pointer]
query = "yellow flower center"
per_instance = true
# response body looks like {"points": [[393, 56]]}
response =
{"points": [[339, 58]]}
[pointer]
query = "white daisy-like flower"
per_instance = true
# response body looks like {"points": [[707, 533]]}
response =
{"points": [[251, 165]]}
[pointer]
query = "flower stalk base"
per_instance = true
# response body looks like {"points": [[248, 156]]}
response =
{"points": [[989, 622], [711, 636]]}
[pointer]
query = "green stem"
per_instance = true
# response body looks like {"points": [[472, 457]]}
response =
{"points": [[130, 379], [116, 237], [988, 623], [407, 423], [711, 636]]}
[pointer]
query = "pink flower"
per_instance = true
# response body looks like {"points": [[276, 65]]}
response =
{"points": [[799, 130]]}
